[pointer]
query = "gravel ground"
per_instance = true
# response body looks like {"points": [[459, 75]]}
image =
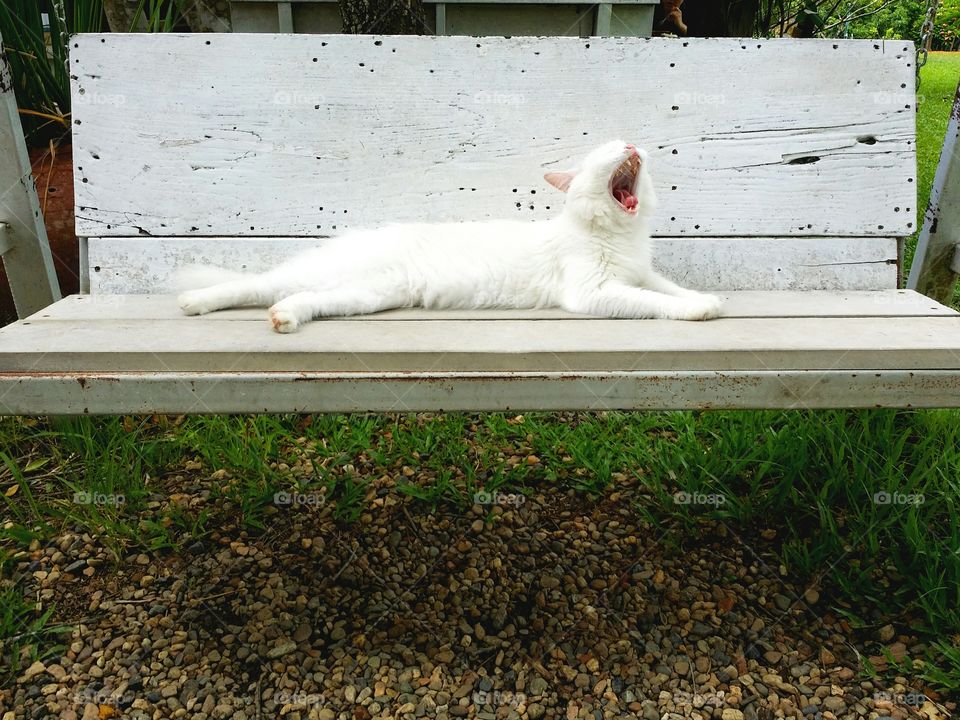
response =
{"points": [[550, 606]]}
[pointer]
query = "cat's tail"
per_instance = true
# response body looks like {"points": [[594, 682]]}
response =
{"points": [[195, 277]]}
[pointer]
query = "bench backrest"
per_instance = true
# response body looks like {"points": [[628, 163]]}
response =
{"points": [[778, 163]]}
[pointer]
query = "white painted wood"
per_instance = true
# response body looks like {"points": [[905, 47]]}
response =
{"points": [[23, 242], [239, 392], [604, 13], [194, 142], [285, 17], [737, 304], [5, 238], [582, 345], [143, 265], [933, 272]]}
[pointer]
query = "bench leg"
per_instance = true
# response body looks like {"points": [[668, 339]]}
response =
{"points": [[23, 237], [934, 270]]}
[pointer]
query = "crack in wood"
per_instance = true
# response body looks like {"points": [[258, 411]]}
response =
{"points": [[889, 261]]}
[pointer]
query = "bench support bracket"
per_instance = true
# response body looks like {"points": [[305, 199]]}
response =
{"points": [[23, 237], [936, 264]]}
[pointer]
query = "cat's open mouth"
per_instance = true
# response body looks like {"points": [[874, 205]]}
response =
{"points": [[623, 183]]}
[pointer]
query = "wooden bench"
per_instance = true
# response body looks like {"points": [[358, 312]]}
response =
{"points": [[785, 169]]}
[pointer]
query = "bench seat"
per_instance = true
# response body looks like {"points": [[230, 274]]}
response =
{"points": [[137, 353]]}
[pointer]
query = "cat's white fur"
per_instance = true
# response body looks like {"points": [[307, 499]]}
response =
{"points": [[593, 258]]}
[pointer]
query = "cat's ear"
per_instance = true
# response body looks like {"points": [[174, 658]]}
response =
{"points": [[560, 180]]}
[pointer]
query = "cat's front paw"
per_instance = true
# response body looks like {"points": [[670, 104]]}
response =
{"points": [[193, 302], [702, 307], [283, 321]]}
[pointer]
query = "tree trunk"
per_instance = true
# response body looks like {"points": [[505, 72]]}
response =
{"points": [[207, 16], [720, 18], [386, 17], [120, 14]]}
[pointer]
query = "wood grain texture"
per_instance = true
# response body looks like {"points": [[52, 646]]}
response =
{"points": [[291, 135], [143, 265], [737, 304], [419, 346], [72, 393]]}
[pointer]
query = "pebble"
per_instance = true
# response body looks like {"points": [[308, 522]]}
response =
{"points": [[537, 686], [75, 567], [649, 709], [35, 669], [284, 648], [834, 704]]}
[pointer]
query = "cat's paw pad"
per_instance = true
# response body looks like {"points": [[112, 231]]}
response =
{"points": [[192, 302], [283, 321], [703, 307]]}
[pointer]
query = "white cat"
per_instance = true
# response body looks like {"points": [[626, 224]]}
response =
{"points": [[594, 258]]}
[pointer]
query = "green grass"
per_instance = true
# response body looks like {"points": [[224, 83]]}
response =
{"points": [[812, 477]]}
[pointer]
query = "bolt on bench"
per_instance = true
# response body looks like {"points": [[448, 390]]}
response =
{"points": [[785, 170]]}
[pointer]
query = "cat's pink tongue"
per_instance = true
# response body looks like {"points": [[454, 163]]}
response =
{"points": [[625, 199]]}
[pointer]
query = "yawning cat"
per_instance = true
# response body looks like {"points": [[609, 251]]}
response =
{"points": [[593, 258]]}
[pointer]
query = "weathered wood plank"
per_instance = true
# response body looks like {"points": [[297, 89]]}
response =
{"points": [[590, 345], [62, 394], [139, 265], [934, 270], [737, 304], [747, 137]]}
